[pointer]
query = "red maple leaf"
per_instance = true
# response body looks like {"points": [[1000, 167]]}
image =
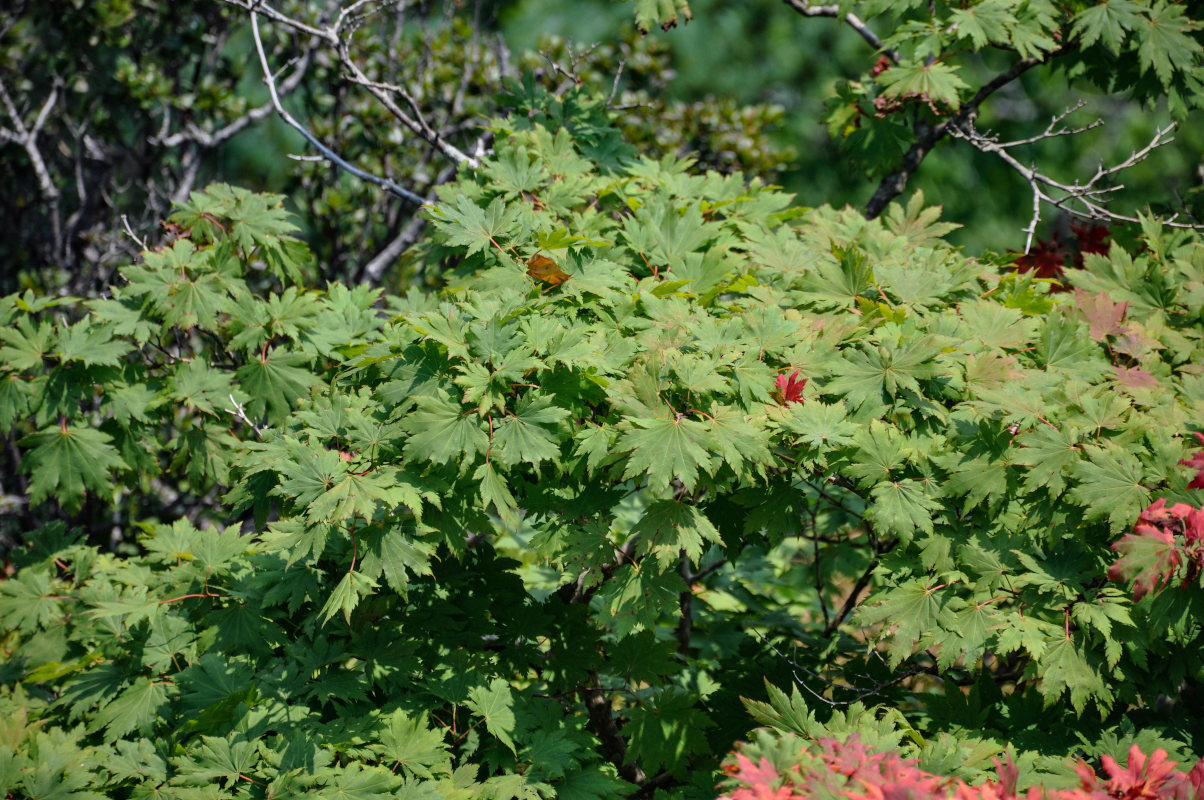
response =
{"points": [[789, 389], [1144, 777], [1092, 238], [1196, 462], [1046, 259], [1102, 314], [1137, 378]]}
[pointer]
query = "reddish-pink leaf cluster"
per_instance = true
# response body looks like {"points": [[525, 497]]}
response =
{"points": [[789, 389], [853, 771], [1164, 540], [1047, 258], [1196, 462]]}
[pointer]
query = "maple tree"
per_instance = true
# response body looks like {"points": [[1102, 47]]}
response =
{"points": [[654, 462], [518, 538]]}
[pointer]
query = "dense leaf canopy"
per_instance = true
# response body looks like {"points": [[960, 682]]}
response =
{"points": [[647, 458]]}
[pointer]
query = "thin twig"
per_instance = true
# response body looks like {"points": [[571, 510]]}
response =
{"points": [[807, 10], [929, 136], [1086, 200], [331, 155]]}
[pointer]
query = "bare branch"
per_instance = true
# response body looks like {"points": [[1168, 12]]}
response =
{"points": [[210, 139], [333, 36], [614, 87], [602, 719], [1086, 200], [807, 10], [929, 136], [330, 155], [125, 223], [860, 692], [27, 138]]}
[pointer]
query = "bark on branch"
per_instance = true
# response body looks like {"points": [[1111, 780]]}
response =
{"points": [[929, 136]]}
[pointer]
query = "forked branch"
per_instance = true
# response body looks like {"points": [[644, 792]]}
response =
{"points": [[852, 20], [1088, 199], [326, 152]]}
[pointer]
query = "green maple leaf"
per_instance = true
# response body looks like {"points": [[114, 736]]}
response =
{"points": [[868, 373], [635, 599], [594, 443], [996, 325], [1026, 633], [136, 707], [495, 704], [516, 171], [667, 449], [1050, 453], [276, 381], [669, 527], [936, 81], [986, 23], [474, 228], [1064, 667], [1165, 43], [409, 743], [739, 442], [359, 782], [221, 758], [592, 783], [1110, 484], [819, 426], [880, 450], [1109, 21], [346, 596], [25, 345], [901, 507], [199, 385], [178, 297], [399, 557], [837, 284], [495, 492], [1061, 345], [668, 729], [349, 495], [126, 316], [137, 760], [665, 234], [526, 435], [66, 461], [918, 613], [782, 713], [440, 431], [28, 601], [972, 626], [90, 344], [981, 469], [650, 13]]}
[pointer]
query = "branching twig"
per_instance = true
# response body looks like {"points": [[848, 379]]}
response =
{"points": [[241, 413], [211, 139], [851, 601], [1087, 200], [856, 23], [27, 138], [331, 156], [334, 36], [859, 692], [929, 136]]}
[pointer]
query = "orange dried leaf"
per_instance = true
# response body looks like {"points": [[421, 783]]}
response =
{"points": [[542, 268]]}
